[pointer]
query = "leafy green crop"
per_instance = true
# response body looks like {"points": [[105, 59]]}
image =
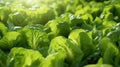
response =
{"points": [[54, 60], [3, 29], [60, 33], [22, 57], [72, 52], [10, 40], [35, 35], [58, 27]]}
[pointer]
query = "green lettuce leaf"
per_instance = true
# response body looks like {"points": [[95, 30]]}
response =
{"points": [[58, 27], [21, 57], [3, 29], [73, 53], [95, 65], [10, 40], [36, 36], [54, 60], [18, 18], [83, 41]]}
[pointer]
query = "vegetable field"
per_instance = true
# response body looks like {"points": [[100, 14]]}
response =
{"points": [[59, 33]]}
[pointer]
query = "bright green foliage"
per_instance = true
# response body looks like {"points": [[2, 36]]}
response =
{"points": [[59, 33], [72, 52], [36, 36], [59, 8], [95, 65], [75, 36], [81, 38], [21, 57], [111, 56], [109, 23], [109, 51], [18, 18], [54, 60], [41, 15], [104, 43], [10, 40], [87, 18], [58, 27], [3, 29], [4, 14]]}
